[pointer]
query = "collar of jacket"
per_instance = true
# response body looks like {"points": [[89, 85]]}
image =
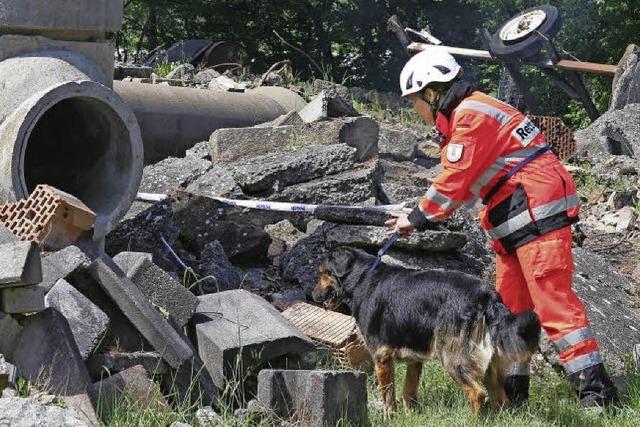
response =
{"points": [[454, 96]]}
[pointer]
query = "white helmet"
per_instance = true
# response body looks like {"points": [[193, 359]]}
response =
{"points": [[434, 64]]}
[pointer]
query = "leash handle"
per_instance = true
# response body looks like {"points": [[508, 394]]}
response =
{"points": [[384, 249]]}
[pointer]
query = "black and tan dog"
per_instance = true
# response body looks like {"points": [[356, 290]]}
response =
{"points": [[419, 315]]}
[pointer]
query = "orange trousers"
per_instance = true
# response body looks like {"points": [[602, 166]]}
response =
{"points": [[539, 276]]}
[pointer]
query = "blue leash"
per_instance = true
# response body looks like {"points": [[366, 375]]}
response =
{"points": [[384, 250]]}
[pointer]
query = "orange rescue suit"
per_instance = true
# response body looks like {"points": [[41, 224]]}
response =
{"points": [[527, 219]]}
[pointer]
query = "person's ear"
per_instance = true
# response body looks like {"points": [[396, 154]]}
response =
{"points": [[430, 95]]}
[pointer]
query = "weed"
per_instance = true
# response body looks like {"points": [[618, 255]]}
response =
{"points": [[296, 141]]}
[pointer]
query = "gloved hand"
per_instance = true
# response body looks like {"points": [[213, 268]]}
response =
{"points": [[399, 224]]}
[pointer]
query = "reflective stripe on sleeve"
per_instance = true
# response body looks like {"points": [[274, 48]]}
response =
{"points": [[519, 369], [582, 362], [493, 112], [443, 201], [573, 338]]}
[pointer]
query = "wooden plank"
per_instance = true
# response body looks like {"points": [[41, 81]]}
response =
{"points": [[587, 67]]}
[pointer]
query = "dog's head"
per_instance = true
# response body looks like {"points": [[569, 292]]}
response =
{"points": [[333, 267]]}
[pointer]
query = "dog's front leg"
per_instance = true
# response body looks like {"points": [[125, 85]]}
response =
{"points": [[385, 373], [411, 383]]}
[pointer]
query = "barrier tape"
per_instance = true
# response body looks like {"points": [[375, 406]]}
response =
{"points": [[275, 206]]}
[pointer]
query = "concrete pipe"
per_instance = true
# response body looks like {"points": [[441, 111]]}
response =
{"points": [[59, 126], [174, 119]]}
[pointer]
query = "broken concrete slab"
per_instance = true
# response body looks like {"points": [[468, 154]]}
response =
{"points": [[263, 173], [613, 133], [216, 181], [18, 411], [191, 384], [147, 320], [61, 264], [105, 364], [316, 398], [362, 133], [354, 216], [205, 76], [22, 300], [285, 231], [347, 188], [326, 105], [132, 386], [20, 264], [217, 272], [54, 361], [131, 261], [183, 72], [10, 329], [162, 290], [7, 236], [87, 322], [363, 236], [626, 83], [173, 172], [398, 143], [237, 330]]}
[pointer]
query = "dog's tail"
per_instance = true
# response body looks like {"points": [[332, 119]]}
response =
{"points": [[518, 334]]}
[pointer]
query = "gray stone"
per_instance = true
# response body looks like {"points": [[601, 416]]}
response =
{"points": [[132, 386], [355, 216], [129, 262], [347, 188], [626, 85], [217, 272], [20, 412], [183, 72], [62, 264], [364, 236], [239, 325], [228, 145], [614, 133], [47, 354], [22, 300], [207, 417], [7, 374], [263, 173], [205, 76], [162, 290], [20, 264], [10, 329], [87, 322], [626, 220], [105, 364], [216, 181], [148, 321], [332, 88], [7, 236], [398, 143], [326, 105], [620, 199], [191, 384], [316, 398], [285, 231], [300, 263], [173, 173]]}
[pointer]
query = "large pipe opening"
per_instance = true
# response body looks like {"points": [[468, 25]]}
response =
{"points": [[81, 146]]}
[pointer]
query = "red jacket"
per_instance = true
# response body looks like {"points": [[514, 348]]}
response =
{"points": [[483, 139]]}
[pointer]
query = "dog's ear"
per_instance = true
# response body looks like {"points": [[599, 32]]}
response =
{"points": [[341, 261]]}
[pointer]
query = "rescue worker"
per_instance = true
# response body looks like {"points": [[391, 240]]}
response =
{"points": [[493, 152]]}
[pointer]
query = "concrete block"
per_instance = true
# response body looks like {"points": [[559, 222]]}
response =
{"points": [[131, 261], [101, 365], [20, 264], [22, 300], [316, 398], [325, 105], [147, 320], [191, 384], [46, 353], [132, 385], [238, 325], [7, 236], [9, 331], [61, 265], [17, 411], [68, 19], [162, 290], [87, 322]]}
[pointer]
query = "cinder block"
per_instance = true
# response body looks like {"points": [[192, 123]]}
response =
{"points": [[159, 287], [87, 322], [61, 265], [135, 306], [47, 354], [20, 264], [317, 398], [22, 300], [238, 324]]}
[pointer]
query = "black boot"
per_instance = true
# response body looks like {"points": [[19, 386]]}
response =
{"points": [[594, 387], [517, 389]]}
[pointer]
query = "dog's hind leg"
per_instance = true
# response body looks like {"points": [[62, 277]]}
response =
{"points": [[494, 382], [470, 380], [411, 383], [385, 373]]}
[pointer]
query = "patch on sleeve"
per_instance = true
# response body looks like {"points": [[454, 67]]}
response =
{"points": [[454, 152], [526, 132]]}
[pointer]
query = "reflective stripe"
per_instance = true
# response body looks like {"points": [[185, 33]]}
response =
{"points": [[445, 203], [582, 362], [519, 369], [500, 164], [510, 226], [555, 207], [573, 338], [487, 109]]}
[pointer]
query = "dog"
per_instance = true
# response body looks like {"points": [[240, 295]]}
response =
{"points": [[419, 315]]}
